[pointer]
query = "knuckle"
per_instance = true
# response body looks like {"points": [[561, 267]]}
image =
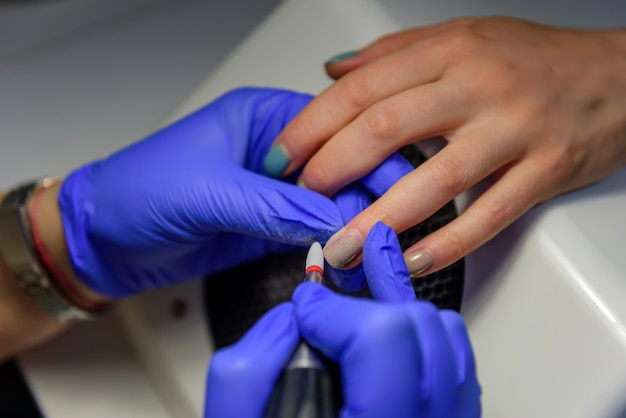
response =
{"points": [[450, 175], [456, 247], [498, 213], [563, 159], [357, 89], [382, 123], [463, 21], [459, 41], [319, 177]]}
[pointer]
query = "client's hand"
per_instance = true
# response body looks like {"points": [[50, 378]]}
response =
{"points": [[194, 198], [398, 357]]}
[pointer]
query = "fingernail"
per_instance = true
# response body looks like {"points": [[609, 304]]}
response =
{"points": [[417, 262], [342, 247], [342, 56], [276, 161]]}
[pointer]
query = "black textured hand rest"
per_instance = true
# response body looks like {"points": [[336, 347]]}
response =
{"points": [[237, 298]]}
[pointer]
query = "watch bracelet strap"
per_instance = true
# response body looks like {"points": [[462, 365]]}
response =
{"points": [[23, 260]]}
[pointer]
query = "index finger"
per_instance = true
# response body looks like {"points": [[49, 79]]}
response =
{"points": [[343, 101]]}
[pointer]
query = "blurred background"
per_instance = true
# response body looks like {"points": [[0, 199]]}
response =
{"points": [[102, 72]]}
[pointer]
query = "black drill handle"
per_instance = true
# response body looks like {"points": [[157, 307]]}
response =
{"points": [[306, 392]]}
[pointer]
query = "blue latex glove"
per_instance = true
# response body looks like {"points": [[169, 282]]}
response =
{"points": [[351, 202], [398, 358], [401, 358], [242, 376], [193, 199]]}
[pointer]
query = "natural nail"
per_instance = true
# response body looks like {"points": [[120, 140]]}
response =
{"points": [[343, 247], [342, 56], [276, 161], [417, 262]]}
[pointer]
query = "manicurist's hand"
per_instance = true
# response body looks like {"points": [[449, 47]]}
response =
{"points": [[540, 109], [194, 198], [397, 357]]}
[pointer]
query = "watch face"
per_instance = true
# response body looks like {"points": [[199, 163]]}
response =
{"points": [[237, 298]]}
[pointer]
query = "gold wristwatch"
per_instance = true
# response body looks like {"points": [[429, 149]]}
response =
{"points": [[18, 250]]}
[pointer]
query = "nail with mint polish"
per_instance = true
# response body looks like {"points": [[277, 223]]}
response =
{"points": [[276, 161], [342, 56]]}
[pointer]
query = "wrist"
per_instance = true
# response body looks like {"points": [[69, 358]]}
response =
{"points": [[46, 215], [23, 324]]}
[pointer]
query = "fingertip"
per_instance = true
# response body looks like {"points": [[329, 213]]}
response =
{"points": [[277, 325], [340, 64], [276, 160], [284, 309], [418, 262], [343, 247], [380, 238], [309, 293], [351, 280], [384, 266], [342, 57]]}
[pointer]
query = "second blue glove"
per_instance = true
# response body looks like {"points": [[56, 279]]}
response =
{"points": [[191, 199]]}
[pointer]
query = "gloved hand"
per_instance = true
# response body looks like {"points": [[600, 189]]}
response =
{"points": [[398, 358], [242, 376], [193, 199]]}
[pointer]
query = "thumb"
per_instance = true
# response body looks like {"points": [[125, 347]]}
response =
{"points": [[241, 377], [255, 205], [385, 269]]}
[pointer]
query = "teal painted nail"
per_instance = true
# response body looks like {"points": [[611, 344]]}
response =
{"points": [[342, 56], [276, 161]]}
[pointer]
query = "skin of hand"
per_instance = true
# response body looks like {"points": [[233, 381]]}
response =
{"points": [[188, 200], [538, 110], [194, 198], [23, 324], [398, 357]]}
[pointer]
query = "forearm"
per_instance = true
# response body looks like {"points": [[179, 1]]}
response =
{"points": [[23, 324]]}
